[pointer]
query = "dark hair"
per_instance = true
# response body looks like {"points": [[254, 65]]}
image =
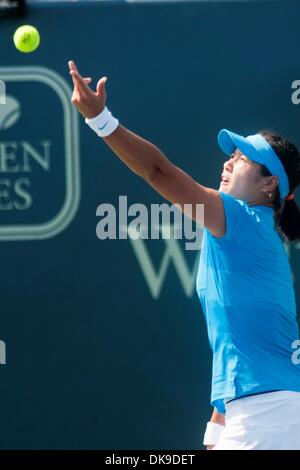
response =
{"points": [[287, 212]]}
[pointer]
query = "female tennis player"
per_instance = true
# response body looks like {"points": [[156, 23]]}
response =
{"points": [[244, 282]]}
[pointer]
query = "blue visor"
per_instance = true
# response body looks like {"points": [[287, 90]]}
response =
{"points": [[256, 148]]}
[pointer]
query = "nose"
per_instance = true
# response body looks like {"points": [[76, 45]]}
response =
{"points": [[228, 165]]}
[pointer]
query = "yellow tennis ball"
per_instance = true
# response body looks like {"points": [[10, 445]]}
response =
{"points": [[26, 38]]}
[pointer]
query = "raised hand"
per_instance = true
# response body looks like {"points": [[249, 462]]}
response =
{"points": [[88, 102]]}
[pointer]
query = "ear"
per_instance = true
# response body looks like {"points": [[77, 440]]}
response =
{"points": [[271, 183]]}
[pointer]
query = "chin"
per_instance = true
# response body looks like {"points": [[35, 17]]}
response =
{"points": [[224, 187]]}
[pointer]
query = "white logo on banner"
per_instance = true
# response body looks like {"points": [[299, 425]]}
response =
{"points": [[10, 113], [39, 174], [173, 253], [2, 92]]}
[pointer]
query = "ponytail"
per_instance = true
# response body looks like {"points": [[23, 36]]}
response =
{"points": [[287, 211], [287, 219]]}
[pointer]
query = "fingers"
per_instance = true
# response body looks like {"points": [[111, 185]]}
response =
{"points": [[100, 85], [79, 83], [73, 73], [72, 66]]}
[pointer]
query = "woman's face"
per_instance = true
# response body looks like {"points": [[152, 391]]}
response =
{"points": [[242, 178]]}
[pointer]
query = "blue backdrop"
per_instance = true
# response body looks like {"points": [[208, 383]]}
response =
{"points": [[103, 351]]}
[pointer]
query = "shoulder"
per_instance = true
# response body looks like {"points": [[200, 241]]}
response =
{"points": [[237, 215]]}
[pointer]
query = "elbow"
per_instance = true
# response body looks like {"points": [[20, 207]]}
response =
{"points": [[154, 175]]}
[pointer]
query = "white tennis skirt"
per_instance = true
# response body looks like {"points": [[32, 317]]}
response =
{"points": [[267, 421]]}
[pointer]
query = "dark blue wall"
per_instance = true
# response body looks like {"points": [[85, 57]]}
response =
{"points": [[93, 359]]}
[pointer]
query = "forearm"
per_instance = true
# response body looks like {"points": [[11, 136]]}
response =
{"points": [[141, 156], [214, 429], [144, 158], [217, 417]]}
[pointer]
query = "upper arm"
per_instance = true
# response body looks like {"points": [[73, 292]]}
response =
{"points": [[179, 188]]}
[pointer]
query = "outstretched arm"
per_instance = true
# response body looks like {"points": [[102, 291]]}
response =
{"points": [[147, 161]]}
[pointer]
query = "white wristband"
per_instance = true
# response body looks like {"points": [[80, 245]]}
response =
{"points": [[212, 433], [103, 124]]}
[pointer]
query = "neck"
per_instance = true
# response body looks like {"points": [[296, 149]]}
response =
{"points": [[261, 203]]}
